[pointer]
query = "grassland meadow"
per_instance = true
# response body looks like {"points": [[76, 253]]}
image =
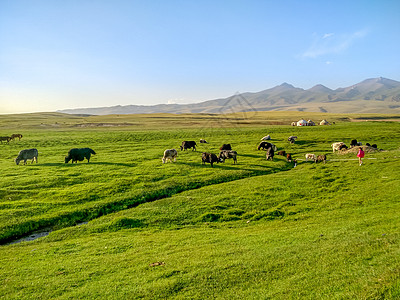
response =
{"points": [[127, 226]]}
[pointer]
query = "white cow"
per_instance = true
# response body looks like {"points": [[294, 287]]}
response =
{"points": [[335, 146], [169, 154], [311, 157], [266, 138], [27, 154]]}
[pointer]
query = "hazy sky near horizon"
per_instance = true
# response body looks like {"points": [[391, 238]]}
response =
{"points": [[86, 53]]}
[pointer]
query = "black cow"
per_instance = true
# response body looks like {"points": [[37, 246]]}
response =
{"points": [[5, 138], [209, 158], [264, 145], [270, 154], [80, 154], [188, 144], [342, 147], [227, 154], [353, 143], [225, 147], [292, 139]]}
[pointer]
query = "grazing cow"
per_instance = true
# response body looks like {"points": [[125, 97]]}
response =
{"points": [[289, 157], [353, 143], [188, 144], [292, 139], [5, 138], [225, 154], [368, 144], [209, 158], [266, 138], [335, 146], [16, 135], [27, 154], [311, 156], [282, 152], [265, 145], [342, 147], [170, 154], [321, 158], [270, 154], [203, 141], [225, 147], [374, 146], [80, 154]]}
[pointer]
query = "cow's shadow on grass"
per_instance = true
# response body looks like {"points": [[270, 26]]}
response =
{"points": [[251, 155], [302, 142], [228, 165], [86, 163]]}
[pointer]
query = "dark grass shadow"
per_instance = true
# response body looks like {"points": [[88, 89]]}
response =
{"points": [[230, 166], [85, 163], [249, 155], [114, 164], [302, 142]]}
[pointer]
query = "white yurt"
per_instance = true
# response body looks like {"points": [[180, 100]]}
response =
{"points": [[324, 122], [302, 123]]}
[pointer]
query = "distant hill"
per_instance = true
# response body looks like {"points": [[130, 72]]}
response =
{"points": [[375, 95]]}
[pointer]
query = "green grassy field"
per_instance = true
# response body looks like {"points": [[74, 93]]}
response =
{"points": [[256, 230]]}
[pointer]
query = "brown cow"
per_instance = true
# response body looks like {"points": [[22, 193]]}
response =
{"points": [[16, 135], [282, 152], [321, 158]]}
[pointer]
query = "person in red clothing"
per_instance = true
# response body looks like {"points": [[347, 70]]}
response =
{"points": [[360, 155]]}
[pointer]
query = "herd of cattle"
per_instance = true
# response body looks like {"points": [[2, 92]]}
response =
{"points": [[226, 152]]}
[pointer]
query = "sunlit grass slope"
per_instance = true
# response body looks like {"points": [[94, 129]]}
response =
{"points": [[316, 231]]}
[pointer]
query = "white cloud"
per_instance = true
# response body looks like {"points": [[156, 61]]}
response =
{"points": [[326, 35], [329, 62], [330, 43]]}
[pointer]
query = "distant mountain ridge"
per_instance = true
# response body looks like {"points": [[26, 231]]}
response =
{"points": [[374, 95]]}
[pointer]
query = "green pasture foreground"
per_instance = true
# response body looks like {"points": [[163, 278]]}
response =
{"points": [[314, 232], [255, 230]]}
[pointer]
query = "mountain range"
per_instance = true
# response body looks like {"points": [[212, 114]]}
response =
{"points": [[374, 95]]}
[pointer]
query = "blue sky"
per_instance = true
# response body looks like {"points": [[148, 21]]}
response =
{"points": [[86, 53]]}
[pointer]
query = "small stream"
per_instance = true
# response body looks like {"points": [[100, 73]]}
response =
{"points": [[36, 234]]}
